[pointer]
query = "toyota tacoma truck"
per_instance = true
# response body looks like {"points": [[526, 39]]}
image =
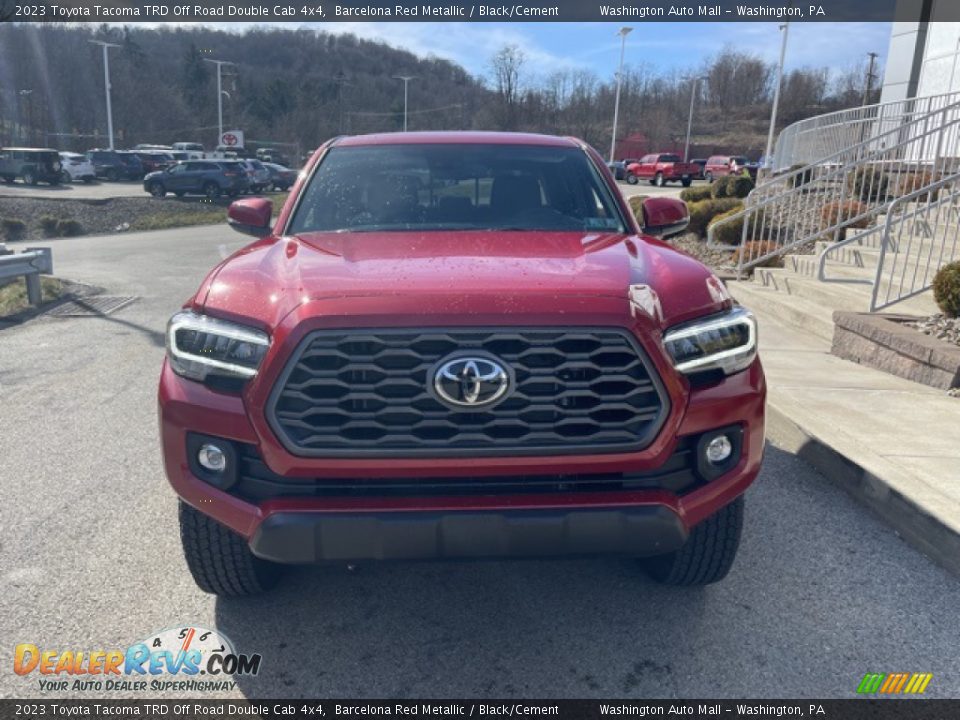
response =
{"points": [[661, 168], [459, 345]]}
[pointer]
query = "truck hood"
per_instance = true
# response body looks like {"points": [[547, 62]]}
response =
{"points": [[268, 279]]}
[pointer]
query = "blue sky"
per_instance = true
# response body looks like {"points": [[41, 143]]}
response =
{"points": [[595, 46]]}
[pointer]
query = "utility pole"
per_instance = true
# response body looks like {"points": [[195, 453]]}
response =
{"points": [[768, 156], [693, 95], [219, 64], [406, 81], [340, 79], [106, 84], [623, 32], [870, 78]]}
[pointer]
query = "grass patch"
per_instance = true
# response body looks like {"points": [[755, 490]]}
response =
{"points": [[179, 216], [13, 297]]}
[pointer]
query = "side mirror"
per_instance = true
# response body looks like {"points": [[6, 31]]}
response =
{"points": [[664, 217], [251, 216]]}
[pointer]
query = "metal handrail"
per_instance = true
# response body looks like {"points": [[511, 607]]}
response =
{"points": [[30, 264], [949, 200], [777, 211], [891, 215], [806, 141]]}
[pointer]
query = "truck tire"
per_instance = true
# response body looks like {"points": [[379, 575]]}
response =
{"points": [[686, 182], [658, 180], [211, 190], [29, 177], [157, 189], [632, 179], [708, 177], [219, 559], [708, 553]]}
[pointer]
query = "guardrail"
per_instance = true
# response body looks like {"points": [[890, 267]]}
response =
{"points": [[31, 264]]}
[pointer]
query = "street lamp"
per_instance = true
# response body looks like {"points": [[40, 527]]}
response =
{"points": [[24, 133], [768, 156], [219, 64], [106, 83], [623, 32], [406, 81], [693, 95]]}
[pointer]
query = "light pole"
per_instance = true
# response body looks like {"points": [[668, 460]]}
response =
{"points": [[106, 84], [768, 159], [693, 95], [24, 133], [219, 64], [406, 82], [623, 32]]}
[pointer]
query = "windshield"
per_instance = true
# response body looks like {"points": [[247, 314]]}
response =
{"points": [[456, 187]]}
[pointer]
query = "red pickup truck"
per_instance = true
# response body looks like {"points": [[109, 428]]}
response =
{"points": [[661, 168]]}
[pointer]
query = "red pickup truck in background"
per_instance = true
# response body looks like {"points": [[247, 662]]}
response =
{"points": [[661, 168]]}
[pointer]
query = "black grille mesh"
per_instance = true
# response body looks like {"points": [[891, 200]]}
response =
{"points": [[362, 392]]}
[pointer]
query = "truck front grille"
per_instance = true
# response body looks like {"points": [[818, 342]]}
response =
{"points": [[362, 393]]}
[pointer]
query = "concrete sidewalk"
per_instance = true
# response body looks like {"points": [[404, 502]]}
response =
{"points": [[892, 443]]}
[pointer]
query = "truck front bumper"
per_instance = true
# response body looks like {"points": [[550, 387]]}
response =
{"points": [[309, 537]]}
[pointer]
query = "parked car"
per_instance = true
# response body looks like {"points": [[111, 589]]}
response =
{"points": [[115, 164], [147, 147], [194, 150], [31, 165], [212, 178], [701, 163], [565, 385], [661, 168], [273, 155], [153, 160], [258, 175], [719, 166], [76, 167], [281, 178], [618, 168]]}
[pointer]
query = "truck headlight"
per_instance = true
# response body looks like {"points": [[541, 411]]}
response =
{"points": [[199, 346], [726, 342]]}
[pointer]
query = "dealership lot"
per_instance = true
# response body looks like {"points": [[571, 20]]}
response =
{"points": [[821, 593]]}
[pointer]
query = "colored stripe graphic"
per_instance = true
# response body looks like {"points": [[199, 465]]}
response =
{"points": [[894, 683]]}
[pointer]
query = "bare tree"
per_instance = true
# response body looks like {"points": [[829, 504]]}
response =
{"points": [[506, 67]]}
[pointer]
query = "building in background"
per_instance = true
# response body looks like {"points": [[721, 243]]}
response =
{"points": [[924, 54]]}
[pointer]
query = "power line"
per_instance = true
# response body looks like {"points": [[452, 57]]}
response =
{"points": [[412, 112]]}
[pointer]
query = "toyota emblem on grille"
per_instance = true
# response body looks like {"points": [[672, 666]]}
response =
{"points": [[471, 382]]}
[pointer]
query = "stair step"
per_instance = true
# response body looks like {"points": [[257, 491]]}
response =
{"points": [[796, 311], [809, 265]]}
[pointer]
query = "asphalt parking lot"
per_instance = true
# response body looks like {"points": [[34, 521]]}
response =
{"points": [[822, 591]]}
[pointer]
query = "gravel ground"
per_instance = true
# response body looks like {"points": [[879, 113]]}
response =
{"points": [[939, 326], [98, 216], [691, 244]]}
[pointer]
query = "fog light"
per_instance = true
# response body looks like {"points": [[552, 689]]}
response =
{"points": [[212, 458], [717, 450]]}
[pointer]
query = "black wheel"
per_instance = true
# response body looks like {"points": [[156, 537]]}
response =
{"points": [[54, 182], [686, 182], [30, 177], [157, 190], [708, 177], [179, 193], [89, 180], [708, 553], [211, 190], [658, 180], [64, 176], [113, 175], [632, 179], [219, 559], [8, 179]]}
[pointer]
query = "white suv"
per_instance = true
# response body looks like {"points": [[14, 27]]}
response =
{"points": [[76, 167]]}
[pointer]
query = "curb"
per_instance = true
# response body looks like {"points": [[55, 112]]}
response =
{"points": [[920, 528]]}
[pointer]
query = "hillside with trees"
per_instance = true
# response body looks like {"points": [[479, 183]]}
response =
{"points": [[304, 86]]}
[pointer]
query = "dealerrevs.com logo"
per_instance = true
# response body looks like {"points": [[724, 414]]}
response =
{"points": [[177, 659]]}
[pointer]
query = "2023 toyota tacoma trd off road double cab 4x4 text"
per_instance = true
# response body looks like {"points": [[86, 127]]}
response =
{"points": [[459, 345]]}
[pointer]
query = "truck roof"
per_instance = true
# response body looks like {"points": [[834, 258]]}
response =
{"points": [[456, 137]]}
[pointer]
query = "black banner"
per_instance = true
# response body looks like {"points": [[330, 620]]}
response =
{"points": [[321, 11], [915, 709]]}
